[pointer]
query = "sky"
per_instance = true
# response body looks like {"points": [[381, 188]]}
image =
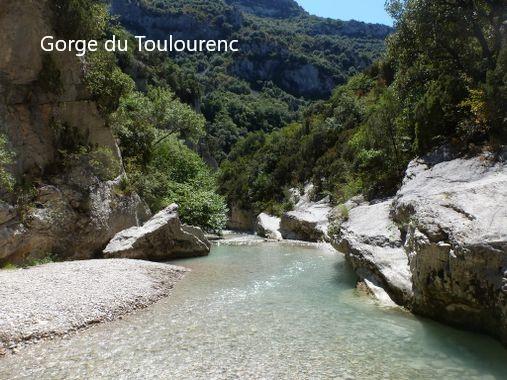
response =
{"points": [[361, 10]]}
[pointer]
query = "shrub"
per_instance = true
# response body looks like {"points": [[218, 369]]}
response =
{"points": [[107, 83], [45, 259], [9, 266], [6, 157], [176, 174]]}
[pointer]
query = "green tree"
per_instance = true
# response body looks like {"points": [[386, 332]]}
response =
{"points": [[444, 53], [107, 83], [176, 174], [80, 19], [133, 125]]}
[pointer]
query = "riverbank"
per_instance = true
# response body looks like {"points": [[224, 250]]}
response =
{"points": [[59, 298]]}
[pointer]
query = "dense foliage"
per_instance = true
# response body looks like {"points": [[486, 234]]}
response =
{"points": [[80, 19], [176, 174], [159, 166], [442, 80], [267, 83]]}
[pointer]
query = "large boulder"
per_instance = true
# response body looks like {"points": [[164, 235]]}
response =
{"points": [[374, 246], [439, 247], [163, 237], [454, 213], [268, 226], [309, 221]]}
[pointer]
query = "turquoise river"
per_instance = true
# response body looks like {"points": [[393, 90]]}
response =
{"points": [[264, 311]]}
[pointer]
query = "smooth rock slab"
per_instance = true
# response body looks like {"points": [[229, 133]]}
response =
{"points": [[373, 245], [163, 237], [55, 299], [309, 221]]}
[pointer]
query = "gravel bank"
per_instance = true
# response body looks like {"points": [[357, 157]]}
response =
{"points": [[55, 299]]}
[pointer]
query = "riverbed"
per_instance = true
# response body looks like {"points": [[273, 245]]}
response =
{"points": [[264, 311]]}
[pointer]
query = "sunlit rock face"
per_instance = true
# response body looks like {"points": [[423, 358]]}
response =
{"points": [[268, 226], [439, 246], [161, 238], [373, 245], [309, 221], [454, 215], [270, 8]]}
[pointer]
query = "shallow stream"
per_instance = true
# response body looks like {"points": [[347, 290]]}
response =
{"points": [[264, 311]]}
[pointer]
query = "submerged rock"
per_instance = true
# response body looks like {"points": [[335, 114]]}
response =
{"points": [[309, 221], [163, 237], [381, 297], [268, 226]]}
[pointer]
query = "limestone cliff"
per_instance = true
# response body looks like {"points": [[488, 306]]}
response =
{"points": [[71, 209], [439, 247]]}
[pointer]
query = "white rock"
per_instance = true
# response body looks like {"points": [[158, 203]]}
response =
{"points": [[309, 221], [163, 237], [268, 226], [380, 294], [440, 246], [455, 215], [373, 245]]}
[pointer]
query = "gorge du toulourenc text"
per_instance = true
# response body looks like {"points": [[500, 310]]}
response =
{"points": [[81, 47]]}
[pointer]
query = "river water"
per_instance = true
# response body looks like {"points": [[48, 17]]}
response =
{"points": [[264, 311]]}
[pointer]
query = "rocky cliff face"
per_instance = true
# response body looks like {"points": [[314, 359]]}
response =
{"points": [[75, 209], [270, 8], [454, 214], [440, 246], [283, 61], [373, 245], [182, 25]]}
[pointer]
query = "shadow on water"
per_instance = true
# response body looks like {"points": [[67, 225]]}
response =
{"points": [[344, 274], [480, 349]]}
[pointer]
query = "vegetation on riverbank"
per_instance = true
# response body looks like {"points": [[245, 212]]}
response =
{"points": [[442, 79], [149, 99]]}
